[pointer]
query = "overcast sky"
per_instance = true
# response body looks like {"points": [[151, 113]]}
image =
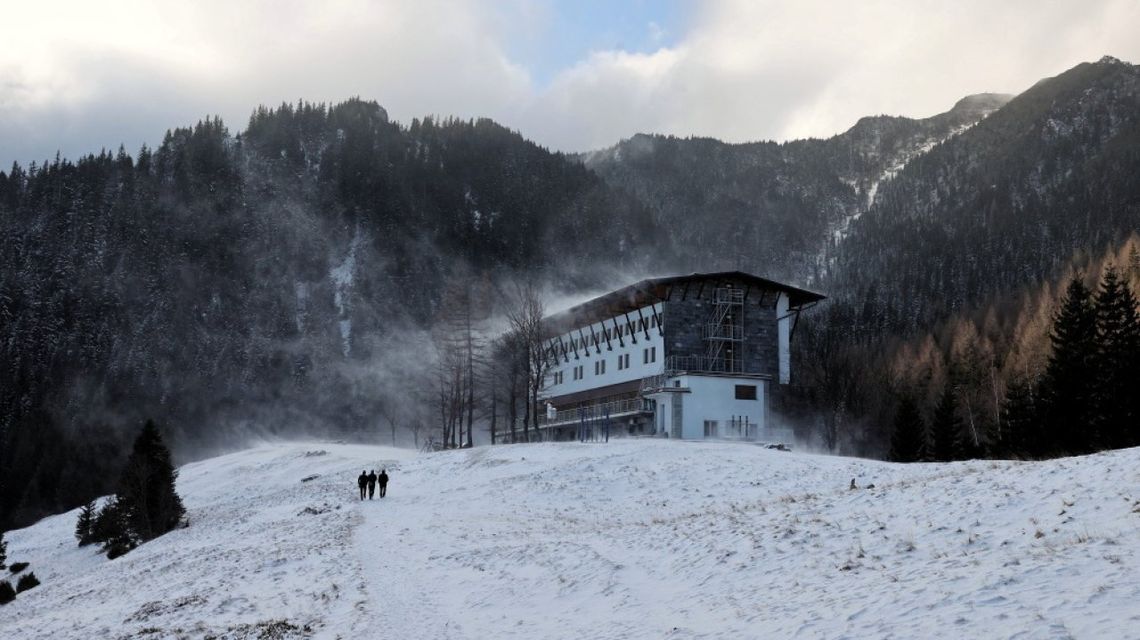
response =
{"points": [[77, 75]]}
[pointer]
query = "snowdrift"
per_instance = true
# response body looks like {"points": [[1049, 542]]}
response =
{"points": [[631, 539]]}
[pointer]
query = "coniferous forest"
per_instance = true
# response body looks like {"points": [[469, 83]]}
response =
{"points": [[294, 276]]}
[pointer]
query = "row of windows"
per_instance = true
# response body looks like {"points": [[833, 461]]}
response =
{"points": [[648, 356]]}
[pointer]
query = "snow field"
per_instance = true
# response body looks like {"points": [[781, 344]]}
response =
{"points": [[631, 539]]}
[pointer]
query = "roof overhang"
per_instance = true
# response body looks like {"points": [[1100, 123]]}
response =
{"points": [[653, 290]]}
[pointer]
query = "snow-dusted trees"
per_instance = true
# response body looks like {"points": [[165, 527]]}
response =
{"points": [[1046, 375], [459, 336], [526, 316]]}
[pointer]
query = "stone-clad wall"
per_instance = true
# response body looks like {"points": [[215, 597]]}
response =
{"points": [[685, 320]]}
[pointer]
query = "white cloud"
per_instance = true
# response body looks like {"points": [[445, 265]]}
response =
{"points": [[78, 75], [751, 70]]}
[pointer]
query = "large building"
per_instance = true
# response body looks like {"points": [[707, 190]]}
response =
{"points": [[687, 357]]}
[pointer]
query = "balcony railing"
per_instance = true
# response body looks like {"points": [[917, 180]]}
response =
{"points": [[703, 364], [613, 409]]}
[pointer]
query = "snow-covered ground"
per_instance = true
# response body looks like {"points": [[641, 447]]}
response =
{"points": [[631, 539]]}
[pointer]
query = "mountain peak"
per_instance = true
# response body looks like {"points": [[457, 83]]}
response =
{"points": [[981, 103]]}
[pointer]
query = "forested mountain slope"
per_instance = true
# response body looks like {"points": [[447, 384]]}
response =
{"points": [[266, 281], [287, 278], [1003, 205], [775, 208]]}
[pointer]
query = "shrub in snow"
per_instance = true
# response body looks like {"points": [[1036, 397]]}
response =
{"points": [[114, 550], [110, 529], [17, 567], [27, 581], [7, 593], [84, 526]]}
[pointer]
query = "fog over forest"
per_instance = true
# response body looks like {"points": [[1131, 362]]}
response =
{"points": [[320, 270]]}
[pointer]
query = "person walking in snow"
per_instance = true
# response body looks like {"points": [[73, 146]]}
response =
{"points": [[383, 481], [371, 483], [363, 482]]}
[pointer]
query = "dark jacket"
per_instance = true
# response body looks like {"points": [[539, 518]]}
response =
{"points": [[372, 479], [383, 479], [362, 480]]}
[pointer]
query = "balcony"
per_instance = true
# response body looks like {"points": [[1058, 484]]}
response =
{"points": [[703, 364], [614, 409]]}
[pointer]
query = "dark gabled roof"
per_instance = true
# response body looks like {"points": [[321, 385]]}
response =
{"points": [[654, 290]]}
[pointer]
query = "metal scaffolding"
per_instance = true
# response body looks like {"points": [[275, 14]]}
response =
{"points": [[724, 331]]}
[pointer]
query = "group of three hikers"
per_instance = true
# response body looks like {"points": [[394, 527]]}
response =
{"points": [[368, 482]]}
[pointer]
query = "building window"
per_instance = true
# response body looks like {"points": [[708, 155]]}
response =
{"points": [[745, 392], [557, 377], [649, 355], [710, 428], [599, 367], [623, 361], [578, 372]]}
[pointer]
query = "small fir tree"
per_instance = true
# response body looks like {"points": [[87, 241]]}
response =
{"points": [[84, 526], [1066, 398], [7, 593], [1019, 417], [3, 551], [945, 428], [146, 495], [111, 531], [909, 437], [27, 581]]}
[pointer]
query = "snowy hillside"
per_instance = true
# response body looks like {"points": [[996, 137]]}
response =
{"points": [[632, 539]]}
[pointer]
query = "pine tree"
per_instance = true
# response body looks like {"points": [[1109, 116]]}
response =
{"points": [[1019, 417], [909, 437], [3, 551], [85, 524], [1066, 400], [111, 531], [945, 428], [1117, 362], [146, 495]]}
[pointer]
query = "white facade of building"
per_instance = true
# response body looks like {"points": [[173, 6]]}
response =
{"points": [[626, 357], [688, 357], [694, 407]]}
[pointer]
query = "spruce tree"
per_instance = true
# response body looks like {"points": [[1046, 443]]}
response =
{"points": [[147, 497], [84, 526], [3, 552], [1020, 421], [1067, 387], [111, 531], [1117, 362], [945, 428], [909, 437]]}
